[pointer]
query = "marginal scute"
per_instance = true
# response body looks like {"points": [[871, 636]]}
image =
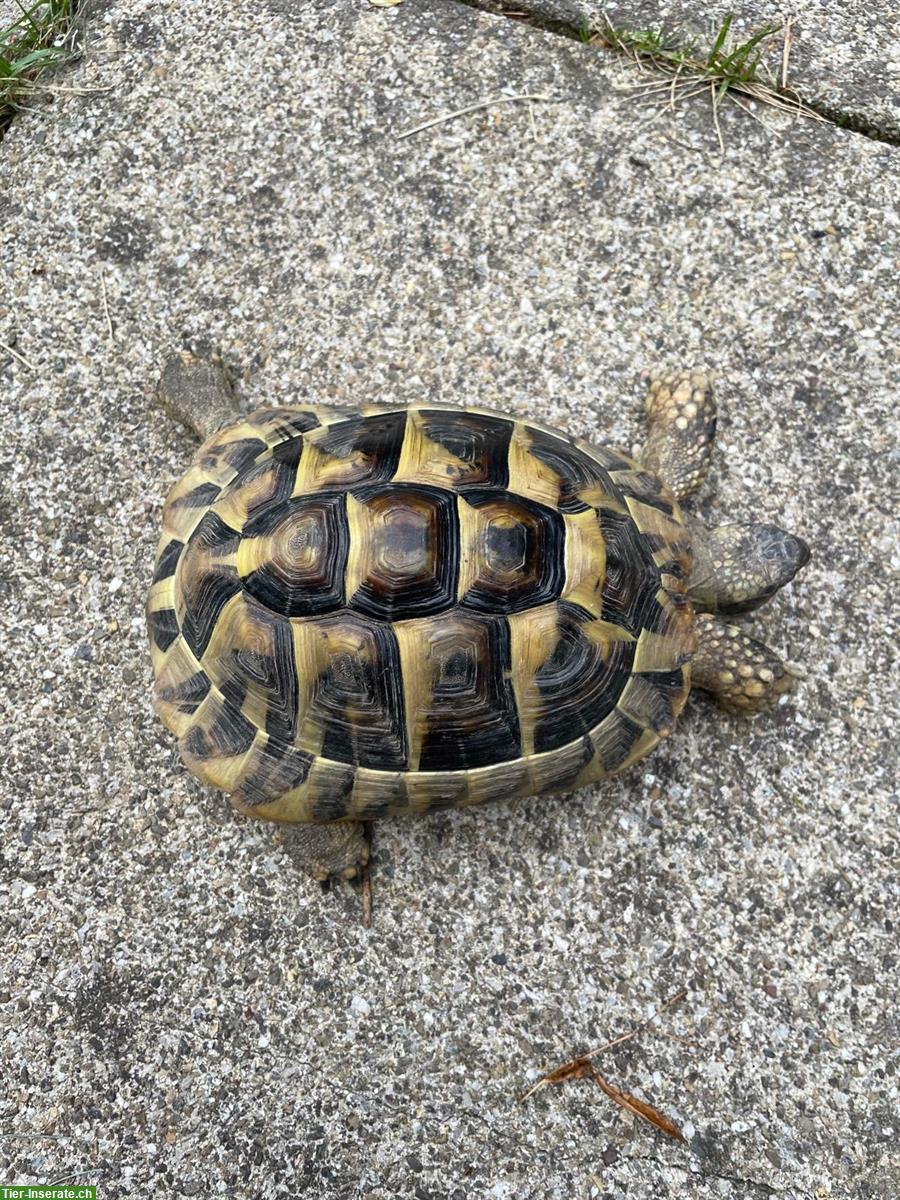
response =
{"points": [[351, 453], [357, 612], [274, 778]]}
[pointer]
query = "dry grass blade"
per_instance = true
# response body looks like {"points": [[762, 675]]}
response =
{"points": [[640, 1108], [786, 49], [17, 356], [715, 95], [365, 882], [470, 108]]}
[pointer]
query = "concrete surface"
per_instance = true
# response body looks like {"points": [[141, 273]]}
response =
{"points": [[180, 1011], [843, 57]]}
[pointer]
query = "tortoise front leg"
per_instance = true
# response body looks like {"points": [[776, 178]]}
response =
{"points": [[742, 674], [681, 428]]}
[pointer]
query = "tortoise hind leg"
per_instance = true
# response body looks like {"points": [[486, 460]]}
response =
{"points": [[198, 393], [743, 675], [738, 567], [681, 428], [338, 850]]}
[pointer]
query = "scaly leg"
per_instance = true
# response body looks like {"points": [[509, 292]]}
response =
{"points": [[339, 850], [681, 427], [198, 393], [742, 674]]}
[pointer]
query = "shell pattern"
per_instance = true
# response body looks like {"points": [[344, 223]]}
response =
{"points": [[370, 611]]}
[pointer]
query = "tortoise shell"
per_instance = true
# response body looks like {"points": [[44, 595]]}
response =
{"points": [[370, 611]]}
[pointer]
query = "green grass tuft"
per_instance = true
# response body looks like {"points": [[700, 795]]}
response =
{"points": [[726, 69], [728, 66], [36, 40]]}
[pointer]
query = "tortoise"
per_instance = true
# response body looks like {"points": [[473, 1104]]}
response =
{"points": [[369, 610]]}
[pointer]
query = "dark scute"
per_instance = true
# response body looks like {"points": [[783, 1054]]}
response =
{"points": [[244, 453], [512, 781], [378, 437], [282, 585], [614, 744], [168, 561], [391, 792], [399, 596], [284, 423], [508, 546], [472, 719], [203, 605], [163, 627], [560, 773], [239, 454], [233, 687], [268, 520], [201, 497], [481, 442], [577, 686], [214, 536], [358, 702], [281, 479], [189, 694], [541, 533], [278, 769], [229, 735], [660, 691], [288, 452], [677, 553], [277, 675], [575, 469], [632, 577], [330, 794], [646, 487]]}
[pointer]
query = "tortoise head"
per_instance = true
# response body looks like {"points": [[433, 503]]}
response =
{"points": [[738, 567]]}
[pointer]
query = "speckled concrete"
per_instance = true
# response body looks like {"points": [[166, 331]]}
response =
{"points": [[181, 1011], [843, 57]]}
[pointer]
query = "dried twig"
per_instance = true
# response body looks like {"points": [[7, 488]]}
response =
{"points": [[640, 1108], [583, 1068], [461, 112], [626, 1037], [365, 881]]}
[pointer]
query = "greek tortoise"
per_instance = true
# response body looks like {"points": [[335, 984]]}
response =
{"points": [[363, 611]]}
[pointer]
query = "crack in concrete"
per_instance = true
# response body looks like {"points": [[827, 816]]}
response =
{"points": [[534, 17], [766, 1189]]}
